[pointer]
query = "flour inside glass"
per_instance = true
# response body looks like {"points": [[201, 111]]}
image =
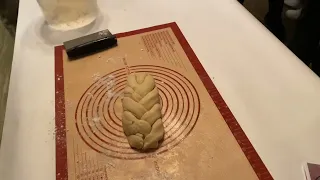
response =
{"points": [[69, 14]]}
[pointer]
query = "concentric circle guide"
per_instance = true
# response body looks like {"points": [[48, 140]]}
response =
{"points": [[98, 113]]}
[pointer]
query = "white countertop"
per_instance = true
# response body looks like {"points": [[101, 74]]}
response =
{"points": [[273, 95]]}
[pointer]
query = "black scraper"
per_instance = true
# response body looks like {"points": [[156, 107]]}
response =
{"points": [[90, 44]]}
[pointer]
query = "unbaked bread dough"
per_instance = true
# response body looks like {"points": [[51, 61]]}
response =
{"points": [[142, 119]]}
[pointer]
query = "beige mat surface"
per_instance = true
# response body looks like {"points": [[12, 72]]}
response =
{"points": [[202, 138]]}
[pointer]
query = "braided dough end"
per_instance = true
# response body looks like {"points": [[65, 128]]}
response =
{"points": [[142, 118]]}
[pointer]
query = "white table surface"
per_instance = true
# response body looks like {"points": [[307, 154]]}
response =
{"points": [[274, 97]]}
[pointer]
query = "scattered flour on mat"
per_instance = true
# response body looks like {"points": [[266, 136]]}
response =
{"points": [[96, 119], [96, 76]]}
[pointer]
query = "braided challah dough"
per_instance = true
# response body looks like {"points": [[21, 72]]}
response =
{"points": [[141, 119]]}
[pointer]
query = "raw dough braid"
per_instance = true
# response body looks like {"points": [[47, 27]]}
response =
{"points": [[141, 119]]}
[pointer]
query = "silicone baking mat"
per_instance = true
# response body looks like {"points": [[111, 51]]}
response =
{"points": [[202, 138]]}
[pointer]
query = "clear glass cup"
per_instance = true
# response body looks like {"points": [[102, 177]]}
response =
{"points": [[67, 15]]}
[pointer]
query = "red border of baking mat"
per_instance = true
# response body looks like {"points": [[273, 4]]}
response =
{"points": [[243, 141]]}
